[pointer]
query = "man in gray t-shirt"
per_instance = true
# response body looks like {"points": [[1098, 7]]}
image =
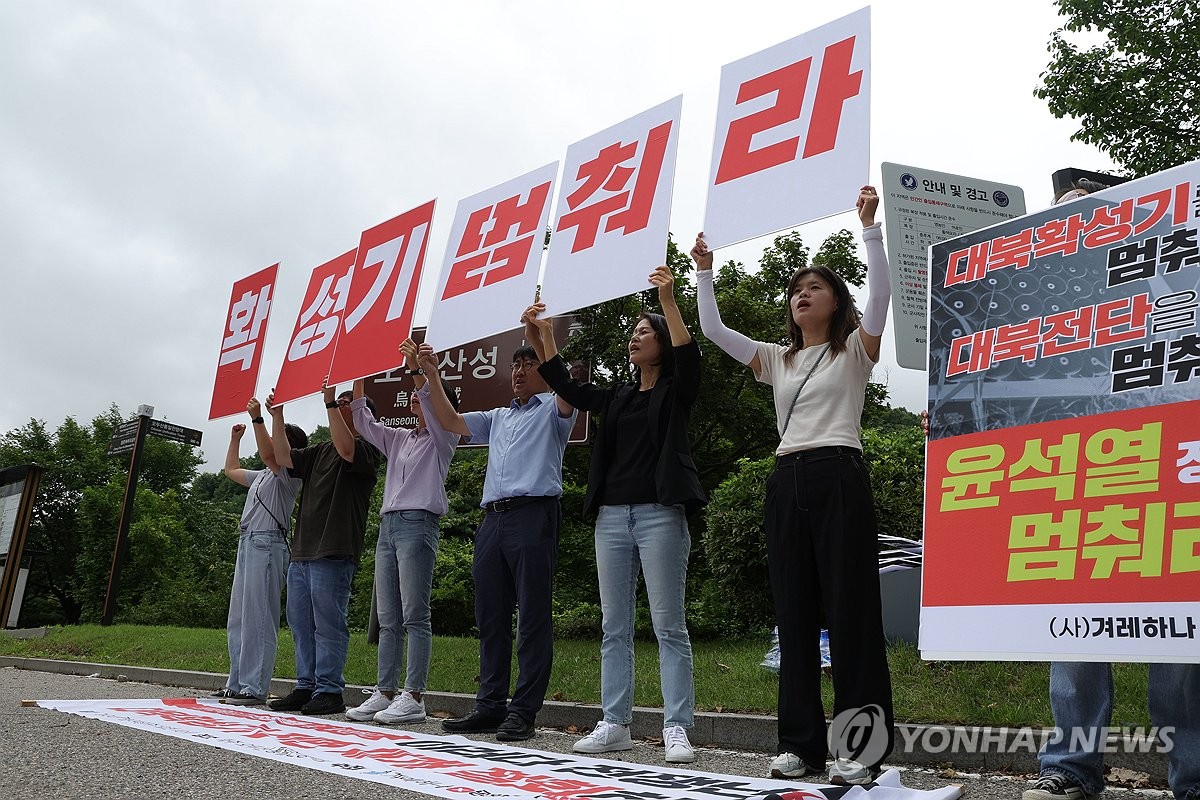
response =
{"points": [[262, 560]]}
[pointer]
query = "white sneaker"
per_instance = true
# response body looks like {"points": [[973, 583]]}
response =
{"points": [[790, 765], [405, 708], [848, 772], [679, 749], [375, 703], [607, 737]]}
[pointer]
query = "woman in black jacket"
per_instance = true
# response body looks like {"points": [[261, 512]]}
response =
{"points": [[641, 484]]}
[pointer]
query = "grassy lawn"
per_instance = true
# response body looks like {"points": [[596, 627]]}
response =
{"points": [[728, 677]]}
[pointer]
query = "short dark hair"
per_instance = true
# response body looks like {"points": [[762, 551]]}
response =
{"points": [[370, 402], [526, 351], [296, 436]]}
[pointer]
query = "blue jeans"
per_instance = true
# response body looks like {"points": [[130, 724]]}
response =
{"points": [[1081, 696], [404, 557], [252, 627], [317, 600], [654, 540]]}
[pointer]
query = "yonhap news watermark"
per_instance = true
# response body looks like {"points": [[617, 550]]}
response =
{"points": [[861, 733]]}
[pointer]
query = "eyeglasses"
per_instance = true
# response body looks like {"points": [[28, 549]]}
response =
{"points": [[343, 401], [525, 364]]}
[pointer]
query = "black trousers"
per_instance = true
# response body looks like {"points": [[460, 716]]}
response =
{"points": [[515, 554], [823, 559]]}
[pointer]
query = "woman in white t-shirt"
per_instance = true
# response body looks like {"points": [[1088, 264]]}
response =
{"points": [[822, 541]]}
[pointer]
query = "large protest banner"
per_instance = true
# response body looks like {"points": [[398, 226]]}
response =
{"points": [[241, 342], [1062, 514], [793, 132], [492, 260], [452, 766], [310, 350], [383, 295], [614, 208]]}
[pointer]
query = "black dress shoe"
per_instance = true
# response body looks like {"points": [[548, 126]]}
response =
{"points": [[475, 722], [293, 702], [324, 703], [514, 729]]}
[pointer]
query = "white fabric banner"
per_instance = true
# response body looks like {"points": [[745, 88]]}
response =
{"points": [[492, 260], [447, 766], [793, 133], [614, 211]]}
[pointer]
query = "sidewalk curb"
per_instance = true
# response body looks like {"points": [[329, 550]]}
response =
{"points": [[1006, 750]]}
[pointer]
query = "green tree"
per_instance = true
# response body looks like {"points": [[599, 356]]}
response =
{"points": [[75, 515], [1134, 95]]}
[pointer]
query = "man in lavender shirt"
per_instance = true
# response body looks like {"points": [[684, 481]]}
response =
{"points": [[414, 499]]}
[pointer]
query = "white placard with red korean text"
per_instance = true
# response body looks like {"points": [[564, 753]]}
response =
{"points": [[492, 260], [310, 349], [383, 295], [792, 141], [241, 343], [614, 210]]}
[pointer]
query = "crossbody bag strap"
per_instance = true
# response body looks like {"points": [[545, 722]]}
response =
{"points": [[787, 420]]}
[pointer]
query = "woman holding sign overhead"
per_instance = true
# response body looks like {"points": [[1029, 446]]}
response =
{"points": [[641, 483], [822, 542]]}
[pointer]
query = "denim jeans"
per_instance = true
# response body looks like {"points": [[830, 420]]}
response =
{"points": [[252, 627], [317, 600], [654, 540], [1081, 696], [404, 556]]}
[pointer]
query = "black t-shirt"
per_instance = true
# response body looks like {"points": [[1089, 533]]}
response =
{"points": [[334, 500], [630, 476]]}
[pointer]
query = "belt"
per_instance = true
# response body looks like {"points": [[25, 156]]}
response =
{"points": [[816, 454], [510, 503]]}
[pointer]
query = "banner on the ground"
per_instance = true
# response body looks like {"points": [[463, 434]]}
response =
{"points": [[383, 295], [1062, 509], [492, 260], [922, 207], [241, 343], [309, 353], [792, 142], [614, 210], [449, 766]]}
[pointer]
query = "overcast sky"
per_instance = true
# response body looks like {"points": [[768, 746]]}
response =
{"points": [[153, 152]]}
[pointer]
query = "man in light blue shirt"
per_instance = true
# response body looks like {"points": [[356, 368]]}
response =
{"points": [[516, 546]]}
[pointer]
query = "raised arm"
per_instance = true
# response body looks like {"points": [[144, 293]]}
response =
{"points": [[447, 417], [569, 394], [737, 345], [266, 449], [279, 442], [233, 467], [664, 279], [879, 281], [339, 432]]}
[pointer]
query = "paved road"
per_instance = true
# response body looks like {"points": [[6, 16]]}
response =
{"points": [[47, 754]]}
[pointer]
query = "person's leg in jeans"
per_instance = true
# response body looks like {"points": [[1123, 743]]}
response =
{"points": [[1081, 697], [664, 543], [617, 569], [331, 578], [1175, 701], [268, 557], [301, 623], [233, 623], [387, 604], [416, 552]]}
